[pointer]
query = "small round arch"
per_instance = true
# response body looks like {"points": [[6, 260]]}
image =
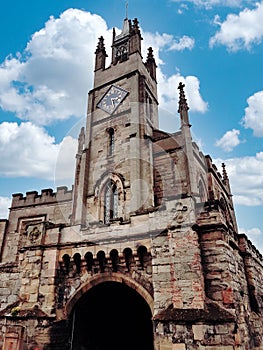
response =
{"points": [[114, 256], [66, 262], [77, 262], [128, 257], [143, 255], [89, 260], [102, 260]]}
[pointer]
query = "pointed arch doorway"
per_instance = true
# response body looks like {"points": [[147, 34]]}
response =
{"points": [[111, 316]]}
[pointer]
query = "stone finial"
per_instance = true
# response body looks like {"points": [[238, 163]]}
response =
{"points": [[135, 23], [150, 63], [100, 46], [100, 55], [183, 106], [150, 56], [225, 176], [135, 37], [135, 27], [81, 140]]}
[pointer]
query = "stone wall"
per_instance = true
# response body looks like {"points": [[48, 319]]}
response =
{"points": [[10, 284], [178, 276]]}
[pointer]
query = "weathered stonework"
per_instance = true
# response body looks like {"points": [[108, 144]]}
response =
{"points": [[149, 224]]}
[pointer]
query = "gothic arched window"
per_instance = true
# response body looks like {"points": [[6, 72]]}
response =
{"points": [[110, 202], [111, 142]]}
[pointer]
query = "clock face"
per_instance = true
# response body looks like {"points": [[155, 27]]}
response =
{"points": [[111, 100]]}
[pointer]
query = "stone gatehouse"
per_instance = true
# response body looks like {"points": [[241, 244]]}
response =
{"points": [[143, 252]]}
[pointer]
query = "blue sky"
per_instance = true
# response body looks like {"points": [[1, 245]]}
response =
{"points": [[46, 69]]}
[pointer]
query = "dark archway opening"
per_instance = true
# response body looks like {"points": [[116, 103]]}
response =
{"points": [[112, 316]]}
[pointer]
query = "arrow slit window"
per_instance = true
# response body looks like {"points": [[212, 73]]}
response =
{"points": [[111, 142]]}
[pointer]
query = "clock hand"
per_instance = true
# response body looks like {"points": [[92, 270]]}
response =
{"points": [[113, 100]]}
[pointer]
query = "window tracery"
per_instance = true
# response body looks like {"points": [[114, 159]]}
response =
{"points": [[110, 202]]}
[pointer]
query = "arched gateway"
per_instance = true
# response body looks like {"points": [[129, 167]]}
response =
{"points": [[149, 216], [111, 313]]}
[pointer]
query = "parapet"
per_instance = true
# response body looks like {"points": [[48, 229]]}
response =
{"points": [[247, 247], [199, 154], [47, 196]]}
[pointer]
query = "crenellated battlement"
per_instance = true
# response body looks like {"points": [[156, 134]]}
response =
{"points": [[47, 196]]}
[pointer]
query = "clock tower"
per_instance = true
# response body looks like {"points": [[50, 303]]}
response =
{"points": [[144, 252], [116, 156]]}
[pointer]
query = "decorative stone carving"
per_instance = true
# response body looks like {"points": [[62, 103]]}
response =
{"points": [[180, 215], [35, 233]]}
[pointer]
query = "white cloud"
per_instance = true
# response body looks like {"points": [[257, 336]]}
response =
{"points": [[168, 93], [255, 231], [240, 31], [50, 80], [27, 150], [53, 81], [161, 42], [185, 42], [210, 3], [158, 42], [182, 9], [253, 117], [246, 178], [5, 203], [167, 85], [229, 140]]}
